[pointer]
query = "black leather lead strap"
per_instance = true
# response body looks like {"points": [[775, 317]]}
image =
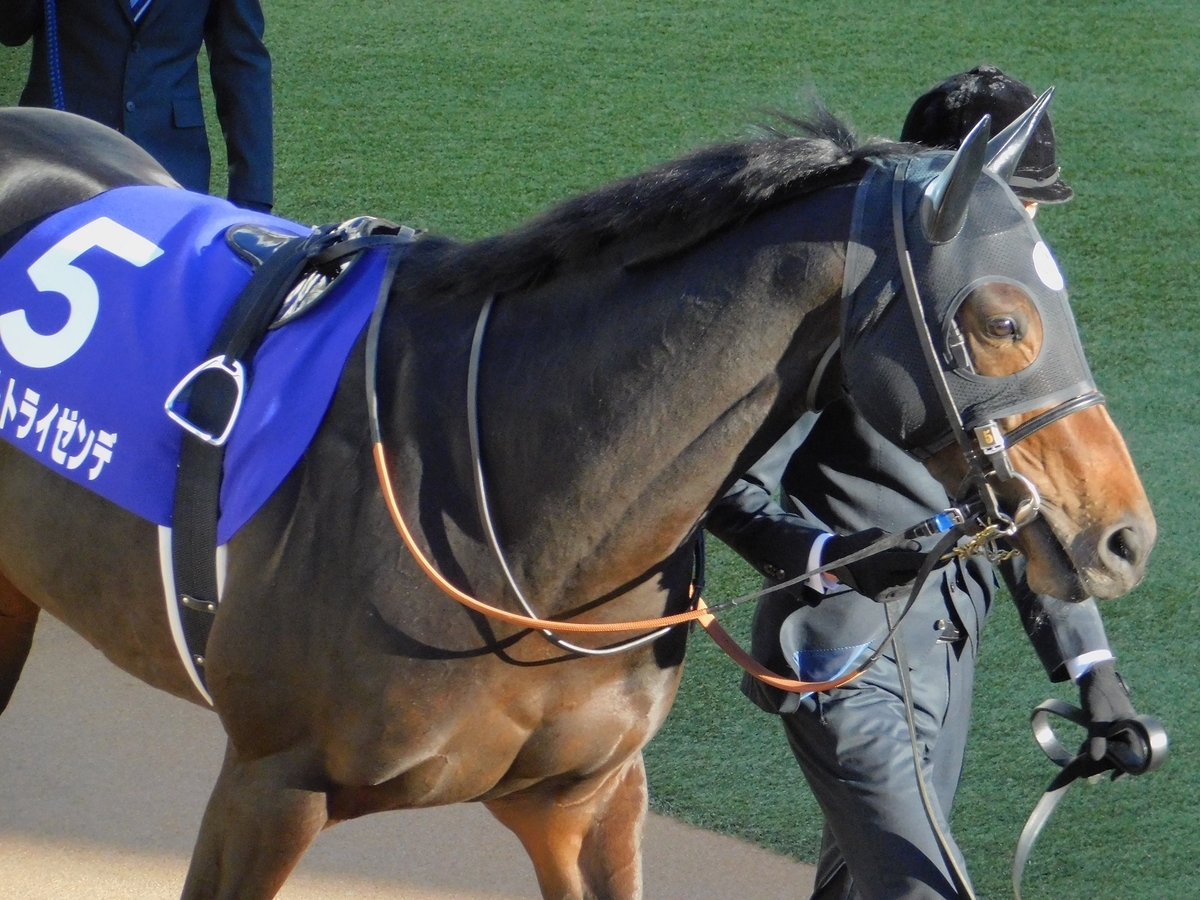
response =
{"points": [[213, 397], [1135, 746]]}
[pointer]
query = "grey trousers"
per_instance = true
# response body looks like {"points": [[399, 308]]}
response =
{"points": [[853, 746]]}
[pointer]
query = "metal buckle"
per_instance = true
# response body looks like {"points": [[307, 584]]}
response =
{"points": [[948, 632], [236, 371]]}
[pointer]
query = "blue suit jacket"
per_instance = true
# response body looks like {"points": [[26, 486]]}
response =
{"points": [[142, 79]]}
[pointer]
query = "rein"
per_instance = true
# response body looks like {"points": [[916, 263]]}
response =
{"points": [[950, 523], [989, 446], [485, 513]]}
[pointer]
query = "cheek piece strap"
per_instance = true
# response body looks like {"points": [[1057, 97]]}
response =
{"points": [[984, 447]]}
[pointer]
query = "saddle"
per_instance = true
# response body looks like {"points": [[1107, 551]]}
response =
{"points": [[256, 244]]}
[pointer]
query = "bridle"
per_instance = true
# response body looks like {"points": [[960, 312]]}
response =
{"points": [[984, 447]]}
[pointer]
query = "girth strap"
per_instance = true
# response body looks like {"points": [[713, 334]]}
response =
{"points": [[213, 397], [213, 393]]}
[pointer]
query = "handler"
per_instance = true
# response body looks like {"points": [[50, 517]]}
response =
{"points": [[838, 475], [133, 65]]}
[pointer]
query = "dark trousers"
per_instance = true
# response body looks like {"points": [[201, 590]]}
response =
{"points": [[853, 746]]}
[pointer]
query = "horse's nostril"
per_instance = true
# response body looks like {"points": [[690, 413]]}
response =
{"points": [[1123, 543], [1121, 553]]}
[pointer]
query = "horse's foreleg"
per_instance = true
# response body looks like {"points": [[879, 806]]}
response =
{"points": [[611, 859], [18, 618], [585, 843], [259, 821]]}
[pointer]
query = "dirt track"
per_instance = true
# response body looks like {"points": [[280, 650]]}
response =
{"points": [[103, 781]]}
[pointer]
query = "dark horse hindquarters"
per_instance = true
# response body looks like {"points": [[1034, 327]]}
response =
{"points": [[641, 355]]}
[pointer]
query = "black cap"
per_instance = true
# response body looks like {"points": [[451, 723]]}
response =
{"points": [[945, 114]]}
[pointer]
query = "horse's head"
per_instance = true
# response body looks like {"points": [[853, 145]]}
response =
{"points": [[960, 346]]}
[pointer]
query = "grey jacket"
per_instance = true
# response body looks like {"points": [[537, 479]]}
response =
{"points": [[837, 474]]}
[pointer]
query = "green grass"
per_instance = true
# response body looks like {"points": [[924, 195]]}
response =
{"points": [[469, 117]]}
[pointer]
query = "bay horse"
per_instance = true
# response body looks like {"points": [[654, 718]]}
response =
{"points": [[649, 341]]}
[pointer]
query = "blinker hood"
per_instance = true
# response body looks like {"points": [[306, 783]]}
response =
{"points": [[884, 365]]}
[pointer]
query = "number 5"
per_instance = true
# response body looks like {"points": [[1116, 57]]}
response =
{"points": [[53, 271]]}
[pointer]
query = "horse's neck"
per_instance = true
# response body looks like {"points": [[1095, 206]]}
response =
{"points": [[618, 405]]}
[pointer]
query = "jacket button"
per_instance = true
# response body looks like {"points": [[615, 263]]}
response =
{"points": [[130, 105], [135, 47]]}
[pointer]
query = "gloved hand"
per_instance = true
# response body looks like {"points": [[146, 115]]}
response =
{"points": [[1105, 700], [880, 575]]}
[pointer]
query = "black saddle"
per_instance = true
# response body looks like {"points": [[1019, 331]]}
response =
{"points": [[255, 244]]}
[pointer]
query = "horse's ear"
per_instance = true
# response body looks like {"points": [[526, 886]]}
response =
{"points": [[944, 204], [1005, 149]]}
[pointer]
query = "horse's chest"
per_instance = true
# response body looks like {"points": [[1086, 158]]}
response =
{"points": [[429, 745]]}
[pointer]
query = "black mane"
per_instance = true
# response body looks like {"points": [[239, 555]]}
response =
{"points": [[666, 209]]}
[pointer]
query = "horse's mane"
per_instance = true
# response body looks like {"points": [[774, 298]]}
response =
{"points": [[666, 209]]}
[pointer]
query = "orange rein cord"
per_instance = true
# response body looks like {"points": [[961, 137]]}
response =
{"points": [[385, 482], [700, 613], [734, 651]]}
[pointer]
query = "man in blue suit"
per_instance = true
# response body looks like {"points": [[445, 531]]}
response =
{"points": [[133, 66], [837, 476]]}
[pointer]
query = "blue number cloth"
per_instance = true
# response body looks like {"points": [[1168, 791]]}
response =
{"points": [[109, 304]]}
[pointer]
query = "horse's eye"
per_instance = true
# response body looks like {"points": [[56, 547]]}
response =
{"points": [[1002, 327]]}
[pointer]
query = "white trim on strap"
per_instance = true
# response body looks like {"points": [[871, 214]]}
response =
{"points": [[166, 564]]}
